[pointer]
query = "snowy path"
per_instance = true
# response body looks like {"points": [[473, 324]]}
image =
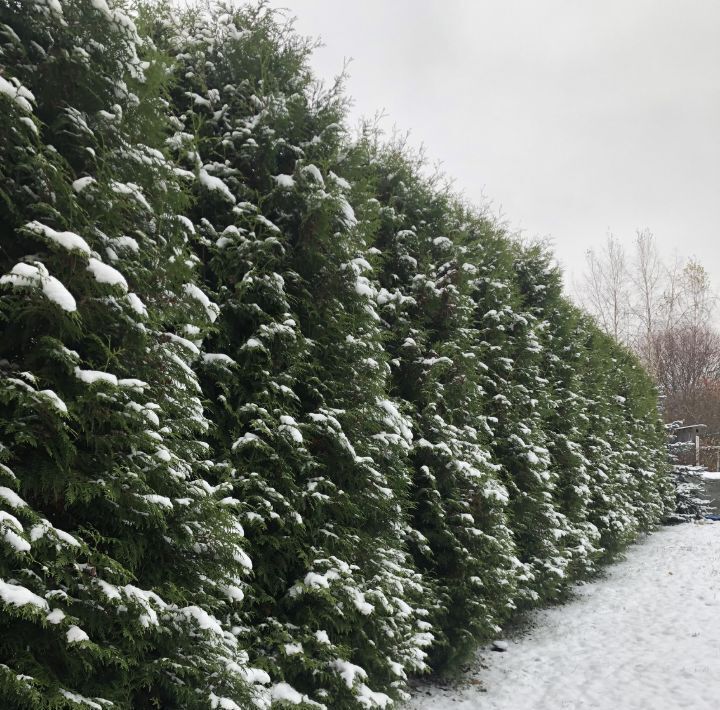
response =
{"points": [[647, 637]]}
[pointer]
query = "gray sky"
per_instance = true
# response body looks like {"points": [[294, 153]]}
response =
{"points": [[574, 118]]}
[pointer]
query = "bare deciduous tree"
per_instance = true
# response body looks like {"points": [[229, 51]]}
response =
{"points": [[665, 314], [647, 276], [606, 294], [688, 361]]}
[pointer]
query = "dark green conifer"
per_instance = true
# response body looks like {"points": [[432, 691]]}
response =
{"points": [[296, 372], [219, 314], [120, 551]]}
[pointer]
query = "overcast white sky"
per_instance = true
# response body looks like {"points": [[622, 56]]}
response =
{"points": [[575, 118]]}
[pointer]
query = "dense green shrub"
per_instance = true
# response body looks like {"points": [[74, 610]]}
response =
{"points": [[118, 553], [284, 421]]}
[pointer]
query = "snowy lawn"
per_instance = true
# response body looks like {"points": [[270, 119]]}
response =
{"points": [[645, 637]]}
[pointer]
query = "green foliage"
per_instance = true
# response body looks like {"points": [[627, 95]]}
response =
{"points": [[119, 551], [284, 422]]}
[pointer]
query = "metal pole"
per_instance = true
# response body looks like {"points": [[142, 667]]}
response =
{"points": [[697, 449]]}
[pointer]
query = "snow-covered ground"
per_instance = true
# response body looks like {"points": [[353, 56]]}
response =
{"points": [[646, 637]]}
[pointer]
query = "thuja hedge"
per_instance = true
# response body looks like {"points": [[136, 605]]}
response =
{"points": [[284, 421]]}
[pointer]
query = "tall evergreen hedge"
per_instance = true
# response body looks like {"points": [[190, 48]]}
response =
{"points": [[283, 421]]}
